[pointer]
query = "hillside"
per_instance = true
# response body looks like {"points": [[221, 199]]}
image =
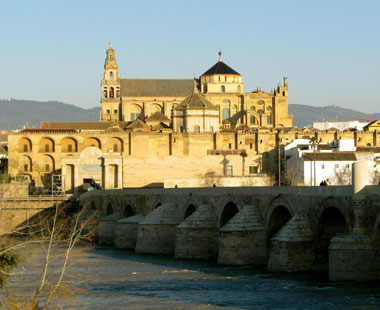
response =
{"points": [[305, 115], [17, 113]]}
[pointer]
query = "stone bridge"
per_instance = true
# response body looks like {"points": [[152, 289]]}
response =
{"points": [[286, 229]]}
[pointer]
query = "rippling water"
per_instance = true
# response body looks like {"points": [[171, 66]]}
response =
{"points": [[105, 278]]}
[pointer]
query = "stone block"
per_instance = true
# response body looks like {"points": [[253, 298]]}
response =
{"points": [[126, 232], [107, 229]]}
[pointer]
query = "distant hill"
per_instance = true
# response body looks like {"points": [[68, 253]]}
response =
{"points": [[16, 113], [305, 115]]}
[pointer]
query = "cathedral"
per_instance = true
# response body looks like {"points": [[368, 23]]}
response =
{"points": [[214, 102]]}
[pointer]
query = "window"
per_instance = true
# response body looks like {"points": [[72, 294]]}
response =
{"points": [[112, 92], [347, 165], [251, 146], [229, 145], [46, 147], [25, 167], [252, 119], [115, 111], [108, 111], [225, 114], [252, 108], [118, 93], [25, 147], [105, 94], [283, 93], [260, 112], [111, 75], [269, 119], [134, 116], [269, 108], [253, 169], [234, 107], [322, 166], [228, 171], [260, 103], [70, 148], [222, 89], [226, 101]]}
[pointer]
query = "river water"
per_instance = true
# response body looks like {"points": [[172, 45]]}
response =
{"points": [[105, 278]]}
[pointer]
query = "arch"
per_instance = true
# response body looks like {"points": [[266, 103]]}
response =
{"points": [[112, 92], [229, 210], [116, 145], [26, 164], [330, 223], [69, 145], [222, 89], [93, 205], [109, 209], [279, 217], [155, 107], [105, 92], [128, 211], [46, 145], [48, 164], [190, 209], [135, 110], [24, 145], [225, 114], [92, 142], [157, 205]]}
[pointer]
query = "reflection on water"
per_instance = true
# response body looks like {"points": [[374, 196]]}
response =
{"points": [[105, 278]]}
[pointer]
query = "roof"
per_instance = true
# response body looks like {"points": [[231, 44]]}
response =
{"points": [[160, 126], [375, 123], [157, 87], [137, 124], [157, 117], [368, 149], [330, 156], [195, 101], [53, 130], [220, 68], [82, 125]]}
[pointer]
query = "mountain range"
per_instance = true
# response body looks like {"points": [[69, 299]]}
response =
{"points": [[14, 114]]}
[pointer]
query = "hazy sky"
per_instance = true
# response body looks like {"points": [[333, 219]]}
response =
{"points": [[329, 50]]}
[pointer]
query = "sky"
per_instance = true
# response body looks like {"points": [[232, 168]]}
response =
{"points": [[329, 50]]}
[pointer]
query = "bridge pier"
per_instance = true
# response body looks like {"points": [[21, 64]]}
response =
{"points": [[197, 236], [156, 232], [242, 239], [126, 232], [292, 247], [107, 228]]}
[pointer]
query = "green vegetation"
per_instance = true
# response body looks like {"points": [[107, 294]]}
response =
{"points": [[8, 260]]}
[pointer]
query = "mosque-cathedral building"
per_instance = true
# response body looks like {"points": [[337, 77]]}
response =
{"points": [[154, 130]]}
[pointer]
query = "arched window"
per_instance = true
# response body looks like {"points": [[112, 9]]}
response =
{"points": [[234, 107], [105, 93], [111, 75], [252, 108], [112, 92], [118, 93], [260, 103], [260, 112], [225, 114], [222, 89], [252, 120]]}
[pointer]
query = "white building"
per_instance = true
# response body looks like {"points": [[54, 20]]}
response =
{"points": [[329, 162], [340, 125]]}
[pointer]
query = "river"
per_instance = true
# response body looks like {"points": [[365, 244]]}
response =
{"points": [[106, 278]]}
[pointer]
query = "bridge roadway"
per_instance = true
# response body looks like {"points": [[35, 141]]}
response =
{"points": [[18, 210], [286, 229]]}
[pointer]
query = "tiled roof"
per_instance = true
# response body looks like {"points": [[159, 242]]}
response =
{"points": [[195, 101], [368, 149], [318, 146], [137, 124], [157, 117], [220, 68], [157, 87], [333, 156], [53, 130], [160, 126], [82, 125]]}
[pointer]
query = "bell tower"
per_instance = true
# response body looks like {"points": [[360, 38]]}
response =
{"points": [[110, 88]]}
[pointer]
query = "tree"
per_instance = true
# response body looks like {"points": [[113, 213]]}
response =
{"points": [[314, 142], [50, 230], [243, 156], [291, 176], [343, 175]]}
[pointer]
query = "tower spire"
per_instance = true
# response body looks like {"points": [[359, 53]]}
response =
{"points": [[220, 55], [110, 43]]}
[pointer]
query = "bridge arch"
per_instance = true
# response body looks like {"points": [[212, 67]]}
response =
{"points": [[330, 223], [228, 212], [93, 205], [276, 202], [189, 210], [128, 210], [279, 217], [109, 209]]}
